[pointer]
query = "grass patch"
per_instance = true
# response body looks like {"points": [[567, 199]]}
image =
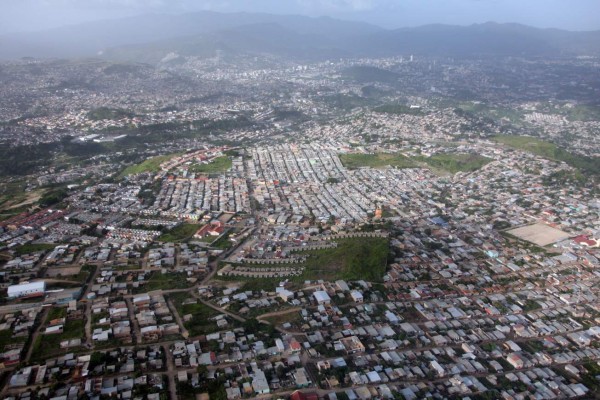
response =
{"points": [[84, 273], [454, 163], [201, 321], [378, 160], [97, 317], [57, 312], [223, 243], [180, 233], [353, 259], [293, 317], [7, 339], [157, 280], [33, 248], [550, 151], [150, 165], [216, 166], [398, 109], [103, 113], [49, 345]]}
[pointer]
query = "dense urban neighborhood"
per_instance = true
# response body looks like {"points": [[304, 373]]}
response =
{"points": [[389, 228]]}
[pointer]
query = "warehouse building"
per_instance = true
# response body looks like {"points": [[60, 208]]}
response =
{"points": [[27, 289]]}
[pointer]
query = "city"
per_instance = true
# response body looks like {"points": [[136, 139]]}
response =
{"points": [[247, 226]]}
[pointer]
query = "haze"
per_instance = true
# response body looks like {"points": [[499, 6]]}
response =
{"points": [[33, 15]]}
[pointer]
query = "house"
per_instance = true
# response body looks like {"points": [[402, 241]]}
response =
{"points": [[439, 370], [298, 395], [352, 344], [322, 297], [515, 360], [233, 393], [259, 383], [357, 296], [301, 378], [295, 346]]}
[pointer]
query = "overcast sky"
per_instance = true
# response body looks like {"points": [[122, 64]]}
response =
{"points": [[26, 15]]}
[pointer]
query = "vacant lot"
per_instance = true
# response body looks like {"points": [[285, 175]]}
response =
{"points": [[354, 259], [150, 165], [454, 163], [540, 234], [179, 233], [168, 281], [216, 166], [589, 165], [198, 318], [379, 160]]}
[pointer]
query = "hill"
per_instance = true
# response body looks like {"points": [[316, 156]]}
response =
{"points": [[297, 37]]}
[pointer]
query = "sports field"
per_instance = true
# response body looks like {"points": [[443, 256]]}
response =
{"points": [[540, 234]]}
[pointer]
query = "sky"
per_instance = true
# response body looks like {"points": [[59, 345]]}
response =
{"points": [[35, 15]]}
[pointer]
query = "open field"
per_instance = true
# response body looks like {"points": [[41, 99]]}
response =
{"points": [[7, 339], [199, 317], [540, 234], [398, 109], [179, 233], [150, 165], [353, 259], [454, 163], [379, 160], [157, 281], [33, 247], [451, 162], [216, 166], [550, 151], [48, 345]]}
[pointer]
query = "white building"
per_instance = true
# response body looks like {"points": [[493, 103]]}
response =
{"points": [[27, 289], [259, 383], [322, 297], [357, 296]]}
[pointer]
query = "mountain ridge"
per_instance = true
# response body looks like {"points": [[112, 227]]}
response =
{"points": [[294, 36]]}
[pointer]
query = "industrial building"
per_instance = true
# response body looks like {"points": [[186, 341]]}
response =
{"points": [[27, 289]]}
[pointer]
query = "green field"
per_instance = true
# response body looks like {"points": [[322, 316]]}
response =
{"points": [[379, 160], [7, 339], [487, 111], [216, 166], [103, 113], [398, 109], [49, 345], [353, 259], [201, 322], [168, 281], [454, 163], [180, 233], [589, 165], [293, 317], [33, 248], [150, 165]]}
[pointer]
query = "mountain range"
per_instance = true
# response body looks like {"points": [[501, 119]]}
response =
{"points": [[149, 38]]}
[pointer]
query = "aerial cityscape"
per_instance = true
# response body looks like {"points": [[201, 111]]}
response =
{"points": [[236, 215]]}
